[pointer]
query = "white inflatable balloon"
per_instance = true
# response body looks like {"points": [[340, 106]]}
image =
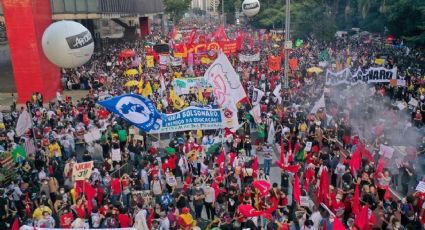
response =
{"points": [[250, 7], [67, 44]]}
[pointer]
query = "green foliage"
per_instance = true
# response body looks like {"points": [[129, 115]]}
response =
{"points": [[322, 18], [176, 8]]}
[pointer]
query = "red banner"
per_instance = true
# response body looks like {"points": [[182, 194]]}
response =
{"points": [[228, 47], [275, 63]]}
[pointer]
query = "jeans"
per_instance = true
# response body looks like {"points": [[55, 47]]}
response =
{"points": [[198, 210], [210, 210], [115, 198], [126, 199], [146, 186], [267, 165]]}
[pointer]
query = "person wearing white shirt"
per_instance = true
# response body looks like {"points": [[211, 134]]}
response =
{"points": [[140, 219], [184, 166], [316, 217], [209, 201], [165, 222]]}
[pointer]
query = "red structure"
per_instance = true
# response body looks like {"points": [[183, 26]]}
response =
{"points": [[144, 26], [26, 21]]}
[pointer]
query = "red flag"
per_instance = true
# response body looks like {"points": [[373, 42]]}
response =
{"points": [[290, 168], [220, 34], [337, 225], [324, 187], [192, 37], [88, 190], [297, 190], [220, 162], [367, 154], [387, 194], [362, 220], [290, 156], [15, 225], [356, 160], [356, 200], [262, 186], [380, 166], [249, 211]]}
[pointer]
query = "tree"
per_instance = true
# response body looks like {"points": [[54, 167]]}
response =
{"points": [[176, 8]]}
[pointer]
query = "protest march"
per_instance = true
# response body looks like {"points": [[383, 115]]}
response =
{"points": [[195, 129]]}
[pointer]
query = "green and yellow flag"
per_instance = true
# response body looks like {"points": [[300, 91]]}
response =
{"points": [[19, 153]]}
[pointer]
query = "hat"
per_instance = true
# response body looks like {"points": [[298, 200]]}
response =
{"points": [[185, 210]]}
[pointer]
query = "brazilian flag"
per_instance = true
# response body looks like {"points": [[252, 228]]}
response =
{"points": [[261, 129], [19, 154], [301, 155]]}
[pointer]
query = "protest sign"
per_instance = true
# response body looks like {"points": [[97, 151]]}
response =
{"points": [[149, 61], [305, 201], [308, 146], [164, 59], [249, 58], [82, 171], [116, 154], [370, 75], [184, 85]]}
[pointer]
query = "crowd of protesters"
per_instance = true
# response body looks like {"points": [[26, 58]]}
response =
{"points": [[164, 184]]}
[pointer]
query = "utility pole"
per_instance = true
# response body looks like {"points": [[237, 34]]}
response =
{"points": [[288, 43]]}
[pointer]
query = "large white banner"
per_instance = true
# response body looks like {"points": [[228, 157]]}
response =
{"points": [[370, 75], [227, 87], [249, 58]]}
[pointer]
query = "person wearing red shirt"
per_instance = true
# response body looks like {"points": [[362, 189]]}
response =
{"points": [[80, 208], [338, 207], [116, 189], [124, 219], [66, 219]]}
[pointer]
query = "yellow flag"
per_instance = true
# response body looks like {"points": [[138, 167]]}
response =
{"points": [[147, 90], [178, 103], [140, 87], [140, 68], [198, 133], [201, 96]]}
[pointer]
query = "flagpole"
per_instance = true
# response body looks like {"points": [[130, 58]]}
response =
{"points": [[32, 127]]}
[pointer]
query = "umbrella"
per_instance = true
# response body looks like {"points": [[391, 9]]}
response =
{"points": [[127, 53], [315, 70], [131, 83], [131, 72]]}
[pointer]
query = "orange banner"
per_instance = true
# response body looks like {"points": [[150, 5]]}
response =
{"points": [[293, 63], [275, 63]]}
